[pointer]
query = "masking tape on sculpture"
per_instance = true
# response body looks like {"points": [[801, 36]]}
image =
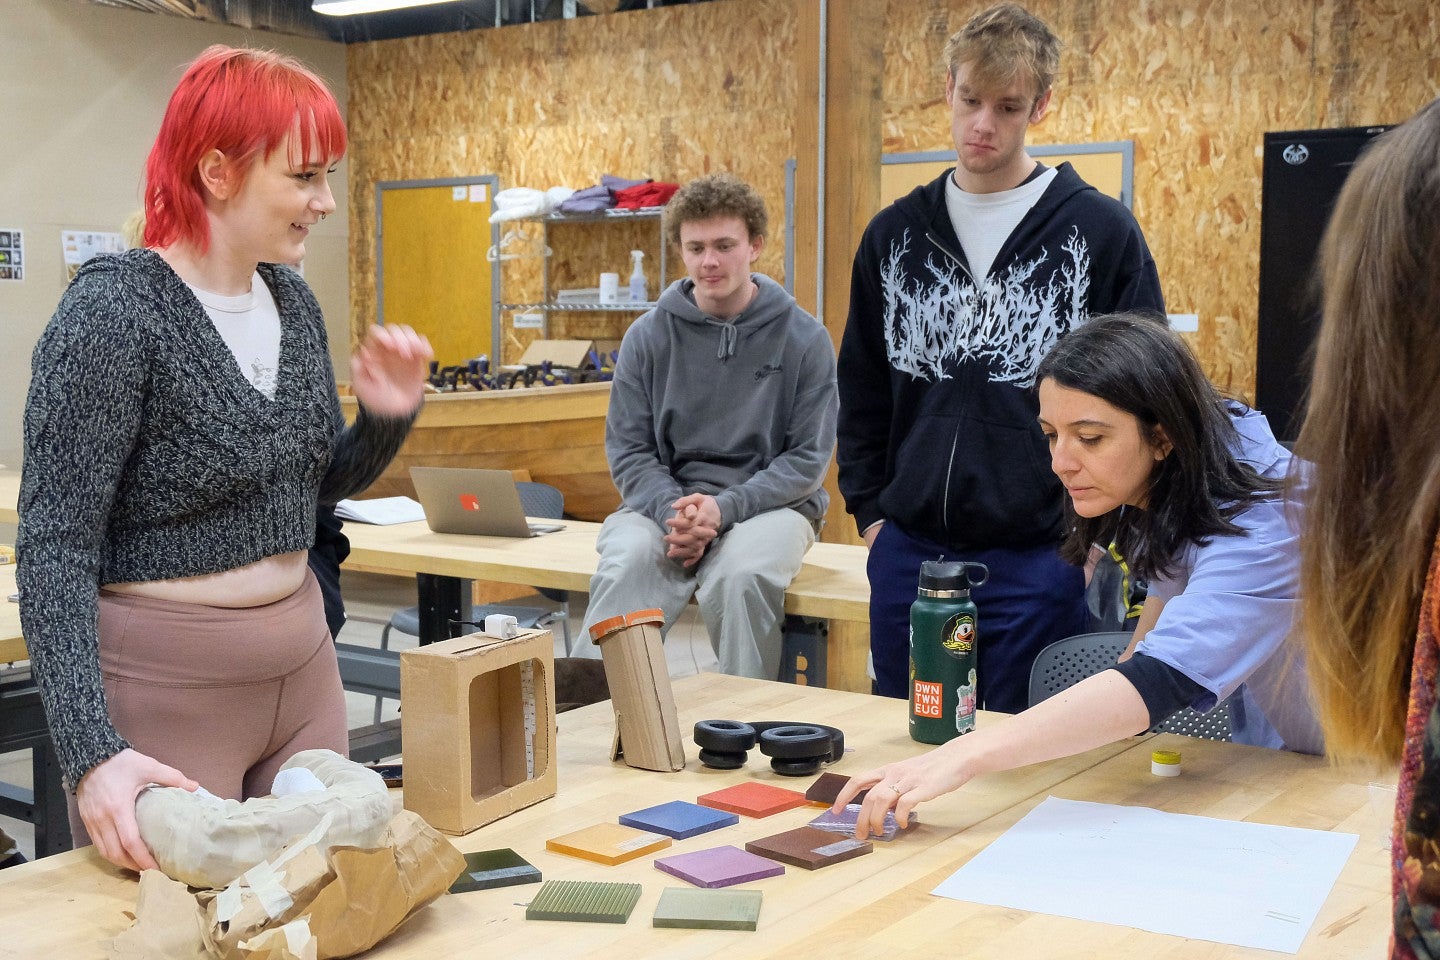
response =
{"points": [[207, 842]]}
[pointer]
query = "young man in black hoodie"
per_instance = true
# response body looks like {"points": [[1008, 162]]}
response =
{"points": [[958, 291]]}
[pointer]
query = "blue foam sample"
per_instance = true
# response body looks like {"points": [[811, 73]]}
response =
{"points": [[679, 819]]}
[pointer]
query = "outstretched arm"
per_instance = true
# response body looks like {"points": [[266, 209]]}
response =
{"points": [[1098, 710]]}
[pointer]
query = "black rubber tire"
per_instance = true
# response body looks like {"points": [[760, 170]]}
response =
{"points": [[724, 736], [796, 768], [722, 760], [796, 741]]}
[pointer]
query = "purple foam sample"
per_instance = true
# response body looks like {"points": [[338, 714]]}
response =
{"points": [[719, 867], [679, 819]]}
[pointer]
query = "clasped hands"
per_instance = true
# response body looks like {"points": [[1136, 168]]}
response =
{"points": [[694, 527]]}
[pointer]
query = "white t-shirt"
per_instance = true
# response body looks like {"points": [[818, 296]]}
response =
{"points": [[250, 326], [984, 221]]}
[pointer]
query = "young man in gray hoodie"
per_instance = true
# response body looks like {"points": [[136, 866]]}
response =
{"points": [[720, 430]]}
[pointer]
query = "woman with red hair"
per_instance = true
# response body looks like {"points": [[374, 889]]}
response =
{"points": [[181, 425]]}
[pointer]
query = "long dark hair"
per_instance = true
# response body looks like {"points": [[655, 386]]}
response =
{"points": [[1137, 365]]}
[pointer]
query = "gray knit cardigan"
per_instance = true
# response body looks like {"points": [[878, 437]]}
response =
{"points": [[149, 456]]}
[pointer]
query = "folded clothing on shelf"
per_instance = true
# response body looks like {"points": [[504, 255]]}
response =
{"points": [[597, 198], [656, 193]]}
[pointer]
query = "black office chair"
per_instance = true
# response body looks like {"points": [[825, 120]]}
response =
{"points": [[1067, 662], [538, 500]]}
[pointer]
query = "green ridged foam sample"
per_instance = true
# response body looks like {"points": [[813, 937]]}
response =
{"points": [[584, 901]]}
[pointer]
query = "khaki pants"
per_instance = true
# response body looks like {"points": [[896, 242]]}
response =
{"points": [[739, 584]]}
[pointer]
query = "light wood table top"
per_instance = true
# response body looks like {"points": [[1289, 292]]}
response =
{"points": [[9, 496], [875, 906], [831, 583], [12, 645]]}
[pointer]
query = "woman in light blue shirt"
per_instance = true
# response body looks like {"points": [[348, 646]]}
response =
{"points": [[1190, 488]]}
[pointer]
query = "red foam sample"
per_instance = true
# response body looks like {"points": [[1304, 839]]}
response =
{"points": [[753, 799]]}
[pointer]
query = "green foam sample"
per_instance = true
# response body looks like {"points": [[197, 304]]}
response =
{"points": [[708, 909], [584, 901]]}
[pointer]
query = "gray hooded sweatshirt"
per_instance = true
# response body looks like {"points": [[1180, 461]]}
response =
{"points": [[744, 411]]}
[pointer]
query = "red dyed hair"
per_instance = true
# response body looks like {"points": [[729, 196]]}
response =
{"points": [[243, 103]]}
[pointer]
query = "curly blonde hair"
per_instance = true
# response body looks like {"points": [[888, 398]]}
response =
{"points": [[715, 195]]}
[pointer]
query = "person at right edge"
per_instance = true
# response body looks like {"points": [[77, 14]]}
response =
{"points": [[1370, 547], [958, 290]]}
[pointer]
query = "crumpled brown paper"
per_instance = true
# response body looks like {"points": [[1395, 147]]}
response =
{"points": [[301, 905], [208, 842]]}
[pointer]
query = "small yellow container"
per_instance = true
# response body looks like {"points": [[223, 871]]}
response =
{"points": [[1165, 763]]}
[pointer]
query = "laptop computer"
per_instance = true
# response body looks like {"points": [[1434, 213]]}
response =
{"points": [[475, 501]]}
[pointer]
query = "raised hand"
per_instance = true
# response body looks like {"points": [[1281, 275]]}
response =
{"points": [[388, 371]]}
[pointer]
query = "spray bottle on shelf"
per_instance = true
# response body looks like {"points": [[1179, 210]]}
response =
{"points": [[943, 661], [638, 293]]}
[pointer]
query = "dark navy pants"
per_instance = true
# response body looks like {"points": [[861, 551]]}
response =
{"points": [[1032, 599]]}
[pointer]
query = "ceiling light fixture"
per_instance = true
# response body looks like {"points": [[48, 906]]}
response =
{"points": [[345, 8]]}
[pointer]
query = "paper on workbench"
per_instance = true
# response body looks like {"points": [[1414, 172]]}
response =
{"points": [[1250, 884], [381, 510]]}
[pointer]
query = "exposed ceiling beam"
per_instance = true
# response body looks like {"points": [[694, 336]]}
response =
{"points": [[296, 18]]}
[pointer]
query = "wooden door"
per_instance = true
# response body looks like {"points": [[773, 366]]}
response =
{"points": [[434, 275]]}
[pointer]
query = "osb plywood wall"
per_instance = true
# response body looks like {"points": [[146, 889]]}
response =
{"points": [[1196, 85], [668, 94]]}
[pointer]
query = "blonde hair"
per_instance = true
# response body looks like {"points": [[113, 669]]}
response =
{"points": [[1003, 43], [132, 231], [1372, 431]]}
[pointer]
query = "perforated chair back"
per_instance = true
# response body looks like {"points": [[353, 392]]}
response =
{"points": [[540, 500], [1067, 662], [547, 502]]}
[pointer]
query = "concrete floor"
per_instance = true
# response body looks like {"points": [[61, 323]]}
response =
{"points": [[369, 601]]}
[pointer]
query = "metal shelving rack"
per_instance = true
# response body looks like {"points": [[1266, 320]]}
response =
{"points": [[550, 304]]}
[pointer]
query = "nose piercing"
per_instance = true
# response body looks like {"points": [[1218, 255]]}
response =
{"points": [[323, 216]]}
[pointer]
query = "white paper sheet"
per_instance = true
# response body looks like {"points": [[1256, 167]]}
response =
{"points": [[1249, 884], [381, 510]]}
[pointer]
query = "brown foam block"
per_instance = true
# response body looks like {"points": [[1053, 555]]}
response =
{"points": [[753, 799], [826, 790], [809, 848], [609, 843]]}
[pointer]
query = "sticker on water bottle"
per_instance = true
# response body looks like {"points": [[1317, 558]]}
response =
{"points": [[965, 703], [958, 637], [928, 698]]}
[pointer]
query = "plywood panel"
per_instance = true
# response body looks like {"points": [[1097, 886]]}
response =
{"points": [[654, 94], [1195, 84]]}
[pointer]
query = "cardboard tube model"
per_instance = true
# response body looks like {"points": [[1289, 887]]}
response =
{"points": [[208, 842], [647, 731]]}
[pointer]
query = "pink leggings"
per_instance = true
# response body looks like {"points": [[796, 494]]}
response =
{"points": [[224, 695]]}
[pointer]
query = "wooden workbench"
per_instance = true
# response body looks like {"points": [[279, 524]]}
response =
{"points": [[875, 906], [556, 434], [12, 645], [831, 584]]}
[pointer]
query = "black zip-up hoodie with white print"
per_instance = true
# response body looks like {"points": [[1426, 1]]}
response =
{"points": [[937, 427]]}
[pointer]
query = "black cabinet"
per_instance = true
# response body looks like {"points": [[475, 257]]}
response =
{"points": [[1303, 173]]}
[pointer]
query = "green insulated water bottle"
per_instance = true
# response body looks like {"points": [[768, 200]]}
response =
{"points": [[942, 651]]}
